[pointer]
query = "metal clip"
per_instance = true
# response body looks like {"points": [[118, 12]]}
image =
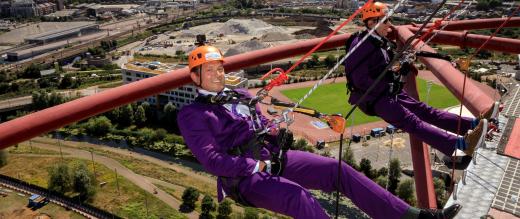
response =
{"points": [[287, 118]]}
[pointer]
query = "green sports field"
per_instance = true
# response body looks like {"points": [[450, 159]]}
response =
{"points": [[332, 98]]}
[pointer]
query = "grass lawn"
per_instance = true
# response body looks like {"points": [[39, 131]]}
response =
{"points": [[332, 98], [129, 203]]}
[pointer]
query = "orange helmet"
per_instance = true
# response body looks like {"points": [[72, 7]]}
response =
{"points": [[204, 54], [376, 9]]}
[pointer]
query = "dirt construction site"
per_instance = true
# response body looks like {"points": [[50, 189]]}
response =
{"points": [[237, 36]]}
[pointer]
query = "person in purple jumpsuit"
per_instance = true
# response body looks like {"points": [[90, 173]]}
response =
{"points": [[394, 105], [211, 130]]}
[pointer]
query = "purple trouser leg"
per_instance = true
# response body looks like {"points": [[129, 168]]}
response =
{"points": [[442, 119], [288, 194], [392, 111]]}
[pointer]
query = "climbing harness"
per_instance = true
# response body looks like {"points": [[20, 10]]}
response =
{"points": [[284, 138]]}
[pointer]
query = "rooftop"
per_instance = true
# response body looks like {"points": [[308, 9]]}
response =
{"points": [[152, 67]]}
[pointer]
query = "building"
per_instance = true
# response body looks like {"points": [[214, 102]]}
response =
{"points": [[53, 36], [59, 5], [24, 8], [135, 71], [187, 4], [45, 8], [350, 5]]}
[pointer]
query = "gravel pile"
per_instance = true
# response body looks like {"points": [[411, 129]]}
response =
{"points": [[247, 46], [275, 36]]}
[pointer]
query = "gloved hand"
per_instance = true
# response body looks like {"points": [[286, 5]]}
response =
{"points": [[406, 68], [284, 139], [276, 167]]}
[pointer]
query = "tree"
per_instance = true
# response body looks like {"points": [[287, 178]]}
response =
{"points": [[365, 166], [207, 207], [382, 172], [66, 82], [170, 115], [300, 144], [348, 157], [189, 199], [83, 182], [59, 178], [246, 4], [381, 181], [405, 191], [150, 114], [394, 173], [32, 71], [224, 210], [140, 116], [99, 126], [3, 158], [40, 100], [98, 52], [330, 61], [440, 191], [314, 61], [251, 213], [55, 99], [126, 116]]}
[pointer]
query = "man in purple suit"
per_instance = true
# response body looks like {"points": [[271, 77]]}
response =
{"points": [[232, 140], [394, 105]]}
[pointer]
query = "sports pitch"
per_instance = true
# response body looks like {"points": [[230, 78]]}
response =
{"points": [[332, 98]]}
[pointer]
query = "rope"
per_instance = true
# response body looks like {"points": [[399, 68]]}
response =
{"points": [[462, 12], [395, 59], [390, 13], [464, 83], [437, 24], [283, 76]]}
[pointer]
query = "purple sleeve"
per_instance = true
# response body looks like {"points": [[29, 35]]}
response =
{"points": [[195, 129]]}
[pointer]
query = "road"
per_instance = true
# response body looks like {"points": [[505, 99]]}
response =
{"points": [[26, 100], [112, 164]]}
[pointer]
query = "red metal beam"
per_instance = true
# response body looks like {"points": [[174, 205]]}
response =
{"points": [[489, 23], [463, 39], [34, 124], [475, 100], [421, 161]]}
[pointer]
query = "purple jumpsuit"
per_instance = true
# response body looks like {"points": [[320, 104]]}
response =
{"points": [[402, 111], [210, 130]]}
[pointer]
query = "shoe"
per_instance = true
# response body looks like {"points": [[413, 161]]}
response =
{"points": [[447, 213], [474, 138], [491, 113]]}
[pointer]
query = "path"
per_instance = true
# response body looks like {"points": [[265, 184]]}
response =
{"points": [[112, 164]]}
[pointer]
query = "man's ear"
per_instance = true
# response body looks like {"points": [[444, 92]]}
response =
{"points": [[195, 78]]}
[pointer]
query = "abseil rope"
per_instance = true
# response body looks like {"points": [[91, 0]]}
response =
{"points": [[390, 13], [465, 67], [283, 76]]}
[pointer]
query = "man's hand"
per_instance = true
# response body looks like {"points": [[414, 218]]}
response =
{"points": [[262, 166]]}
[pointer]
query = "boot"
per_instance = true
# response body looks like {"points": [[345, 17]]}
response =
{"points": [[475, 137], [491, 113], [447, 213]]}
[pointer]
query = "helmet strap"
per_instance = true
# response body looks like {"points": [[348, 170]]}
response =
{"points": [[199, 72]]}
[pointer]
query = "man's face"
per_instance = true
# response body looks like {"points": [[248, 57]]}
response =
{"points": [[383, 29], [212, 76]]}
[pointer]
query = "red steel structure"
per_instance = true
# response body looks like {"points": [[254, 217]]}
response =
{"points": [[32, 125]]}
